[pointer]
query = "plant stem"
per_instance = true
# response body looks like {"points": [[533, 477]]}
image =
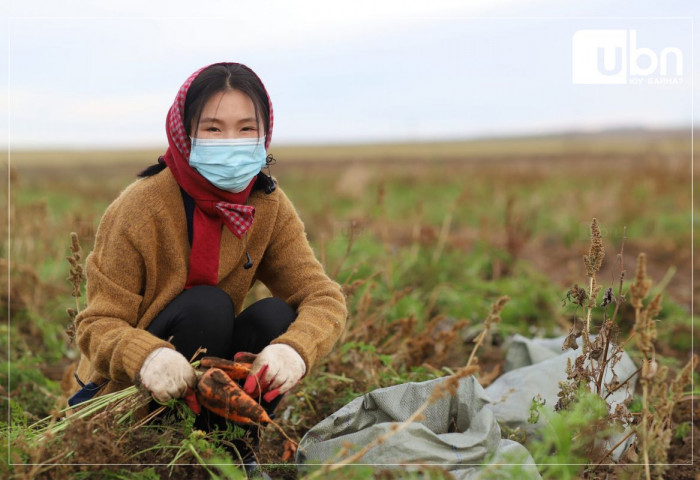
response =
{"points": [[284, 434], [444, 232], [587, 328], [618, 301], [348, 249], [610, 451], [645, 402], [479, 341], [90, 407], [200, 460], [621, 384], [645, 410]]}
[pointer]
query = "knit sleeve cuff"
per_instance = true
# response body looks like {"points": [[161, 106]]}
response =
{"points": [[139, 347]]}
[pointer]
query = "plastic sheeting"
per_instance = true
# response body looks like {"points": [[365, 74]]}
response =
{"points": [[460, 433], [456, 432]]}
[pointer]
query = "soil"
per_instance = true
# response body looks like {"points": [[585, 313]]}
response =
{"points": [[682, 453]]}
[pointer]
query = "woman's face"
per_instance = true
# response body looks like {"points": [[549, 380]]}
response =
{"points": [[228, 114]]}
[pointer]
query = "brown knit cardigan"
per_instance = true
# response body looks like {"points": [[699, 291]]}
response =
{"points": [[139, 265]]}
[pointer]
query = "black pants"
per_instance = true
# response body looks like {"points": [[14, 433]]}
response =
{"points": [[203, 316]]}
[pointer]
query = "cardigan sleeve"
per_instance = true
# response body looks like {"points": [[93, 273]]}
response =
{"points": [[291, 272], [106, 329]]}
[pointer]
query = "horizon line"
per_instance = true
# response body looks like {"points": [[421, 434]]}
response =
{"points": [[582, 132]]}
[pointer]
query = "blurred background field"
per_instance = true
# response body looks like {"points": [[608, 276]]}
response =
{"points": [[526, 198], [423, 237]]}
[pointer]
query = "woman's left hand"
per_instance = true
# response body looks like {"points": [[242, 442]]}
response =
{"points": [[275, 370]]}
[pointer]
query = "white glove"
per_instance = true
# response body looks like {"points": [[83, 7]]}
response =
{"points": [[275, 370], [167, 374]]}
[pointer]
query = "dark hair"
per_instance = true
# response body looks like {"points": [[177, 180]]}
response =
{"points": [[218, 78], [222, 77]]}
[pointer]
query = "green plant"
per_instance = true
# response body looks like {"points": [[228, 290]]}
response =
{"points": [[569, 436]]}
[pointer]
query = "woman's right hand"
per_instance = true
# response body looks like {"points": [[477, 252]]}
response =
{"points": [[167, 374]]}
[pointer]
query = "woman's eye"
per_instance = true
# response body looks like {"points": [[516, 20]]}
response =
{"points": [[248, 129], [212, 129]]}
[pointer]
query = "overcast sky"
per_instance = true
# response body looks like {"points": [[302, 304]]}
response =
{"points": [[84, 74]]}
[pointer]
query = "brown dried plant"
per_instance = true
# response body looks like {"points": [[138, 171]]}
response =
{"points": [[493, 318], [597, 352], [650, 433], [601, 354], [655, 432], [518, 231], [641, 286], [76, 278], [596, 252], [592, 261], [653, 427]]}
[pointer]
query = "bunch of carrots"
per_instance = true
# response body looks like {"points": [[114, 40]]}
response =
{"points": [[218, 391]]}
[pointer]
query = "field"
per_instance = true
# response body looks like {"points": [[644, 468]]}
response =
{"points": [[424, 239]]}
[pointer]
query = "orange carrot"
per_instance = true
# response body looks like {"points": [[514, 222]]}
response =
{"points": [[191, 401], [245, 357], [235, 370], [223, 396], [290, 448]]}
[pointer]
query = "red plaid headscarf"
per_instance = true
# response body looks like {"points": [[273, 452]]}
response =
{"points": [[213, 206]]}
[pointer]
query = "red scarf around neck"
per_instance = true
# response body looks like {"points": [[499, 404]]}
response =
{"points": [[213, 207]]}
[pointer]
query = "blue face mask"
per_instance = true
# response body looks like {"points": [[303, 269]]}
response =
{"points": [[228, 163]]}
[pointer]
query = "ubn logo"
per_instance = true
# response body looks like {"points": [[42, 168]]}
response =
{"points": [[612, 57]]}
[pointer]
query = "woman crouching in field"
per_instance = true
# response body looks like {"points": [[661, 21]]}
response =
{"points": [[177, 252]]}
